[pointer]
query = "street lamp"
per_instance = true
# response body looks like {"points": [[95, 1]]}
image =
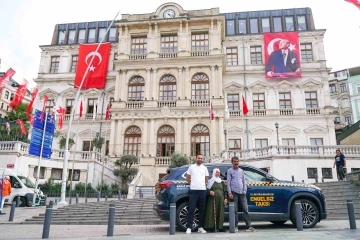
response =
{"points": [[277, 134]]}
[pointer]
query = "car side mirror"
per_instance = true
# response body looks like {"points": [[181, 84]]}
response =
{"points": [[269, 178]]}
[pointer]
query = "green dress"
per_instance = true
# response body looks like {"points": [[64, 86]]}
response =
{"points": [[220, 191]]}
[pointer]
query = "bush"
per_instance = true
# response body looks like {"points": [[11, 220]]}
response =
{"points": [[178, 160]]}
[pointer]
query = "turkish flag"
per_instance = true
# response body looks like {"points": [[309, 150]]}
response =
{"points": [[62, 115], [355, 2], [22, 127], [96, 76], [19, 96], [244, 107], [81, 109], [107, 114], [211, 112], [6, 77], [28, 110], [282, 55]]}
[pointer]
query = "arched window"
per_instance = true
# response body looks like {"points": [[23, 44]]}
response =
{"points": [[132, 141], [200, 87], [136, 89], [167, 88], [200, 140], [165, 141]]}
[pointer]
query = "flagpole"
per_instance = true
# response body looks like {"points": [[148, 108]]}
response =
{"points": [[66, 157], [103, 164], [243, 123], [87, 170], [39, 162], [73, 163]]}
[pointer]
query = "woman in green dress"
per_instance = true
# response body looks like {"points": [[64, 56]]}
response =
{"points": [[216, 200]]}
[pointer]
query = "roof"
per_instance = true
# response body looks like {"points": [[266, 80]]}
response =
{"points": [[349, 131]]}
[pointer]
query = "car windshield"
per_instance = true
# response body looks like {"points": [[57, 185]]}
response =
{"points": [[26, 182]]}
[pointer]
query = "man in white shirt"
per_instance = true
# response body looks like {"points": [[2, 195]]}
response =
{"points": [[197, 176]]}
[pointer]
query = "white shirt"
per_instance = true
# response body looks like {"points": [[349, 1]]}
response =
{"points": [[286, 56], [198, 174]]}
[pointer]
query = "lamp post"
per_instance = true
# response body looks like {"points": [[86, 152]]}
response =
{"points": [[277, 135]]}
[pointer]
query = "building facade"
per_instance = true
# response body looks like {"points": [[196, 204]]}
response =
{"points": [[354, 89], [168, 68]]}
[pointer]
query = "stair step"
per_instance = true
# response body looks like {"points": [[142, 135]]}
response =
{"points": [[102, 222]]}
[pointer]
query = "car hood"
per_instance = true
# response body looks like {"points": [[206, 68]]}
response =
{"points": [[300, 183]]}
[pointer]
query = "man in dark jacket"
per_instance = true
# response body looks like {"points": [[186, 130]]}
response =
{"points": [[340, 163]]}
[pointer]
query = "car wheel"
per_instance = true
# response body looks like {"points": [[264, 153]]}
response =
{"points": [[181, 216], [22, 202], [278, 222], [309, 212]]}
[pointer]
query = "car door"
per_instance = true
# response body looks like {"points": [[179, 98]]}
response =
{"points": [[264, 198]]}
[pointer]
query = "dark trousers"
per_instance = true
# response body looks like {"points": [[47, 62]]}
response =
{"points": [[340, 172], [241, 198], [197, 198]]}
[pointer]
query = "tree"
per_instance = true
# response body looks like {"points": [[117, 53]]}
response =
{"points": [[178, 160], [19, 113], [62, 142], [14, 115], [98, 142], [124, 169]]}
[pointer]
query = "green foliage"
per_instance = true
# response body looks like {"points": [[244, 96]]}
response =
{"points": [[80, 188], [14, 115], [62, 142], [19, 113], [98, 142], [178, 160], [124, 170], [51, 187]]}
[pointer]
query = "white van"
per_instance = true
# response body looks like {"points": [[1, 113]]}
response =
{"points": [[20, 187]]}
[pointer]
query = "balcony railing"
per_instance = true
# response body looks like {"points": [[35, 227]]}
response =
{"points": [[137, 56], [200, 103], [138, 104], [313, 111], [261, 112], [162, 161], [286, 112], [167, 55], [200, 53], [169, 104]]}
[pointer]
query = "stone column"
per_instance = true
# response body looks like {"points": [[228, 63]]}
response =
{"points": [[153, 135], [186, 147], [187, 83], [123, 86], [212, 82], [118, 148], [112, 137], [47, 174], [155, 85], [221, 136], [180, 84], [148, 84], [213, 137], [144, 138], [117, 87], [82, 175], [31, 171], [179, 130], [218, 83]]}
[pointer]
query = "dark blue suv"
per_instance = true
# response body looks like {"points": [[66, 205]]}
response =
{"points": [[269, 199]]}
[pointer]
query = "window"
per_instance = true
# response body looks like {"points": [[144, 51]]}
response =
{"points": [[102, 32], [254, 28], [258, 101], [81, 37], [112, 35], [337, 120], [334, 103], [74, 61], [87, 146], [265, 23], [289, 24], [355, 169], [169, 44], [288, 141], [71, 38], [332, 88], [301, 23], [230, 27], [42, 172], [348, 120], [91, 105], [326, 173], [2, 105], [306, 52], [358, 88], [242, 26], [165, 141], [69, 105], [139, 45], [312, 173], [343, 87], [12, 96], [277, 24], [256, 55], [260, 143], [200, 42], [311, 100], [234, 144], [56, 174], [316, 141], [49, 106], [75, 175], [91, 37], [136, 89], [253, 176], [61, 37], [345, 103], [55, 61], [232, 56], [285, 100], [200, 87], [200, 140], [7, 94], [132, 141], [233, 101], [167, 88], [341, 74]]}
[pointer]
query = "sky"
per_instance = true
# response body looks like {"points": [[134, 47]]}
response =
{"points": [[27, 24]]}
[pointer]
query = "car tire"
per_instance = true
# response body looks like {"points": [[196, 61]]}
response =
{"points": [[181, 216], [278, 222], [23, 202], [309, 211]]}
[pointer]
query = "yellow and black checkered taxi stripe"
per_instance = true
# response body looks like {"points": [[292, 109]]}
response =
{"points": [[265, 184]]}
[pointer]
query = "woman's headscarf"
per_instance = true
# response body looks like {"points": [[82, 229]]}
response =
{"points": [[214, 179]]}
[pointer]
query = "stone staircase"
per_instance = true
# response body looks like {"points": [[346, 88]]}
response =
{"points": [[127, 212], [336, 194]]}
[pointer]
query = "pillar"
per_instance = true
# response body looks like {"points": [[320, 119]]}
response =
{"points": [[186, 131], [117, 87], [187, 83], [47, 174], [212, 83], [219, 83], [179, 130], [144, 138], [213, 137], [113, 130], [153, 135], [148, 84], [155, 85], [179, 84], [120, 133], [123, 86], [31, 171], [221, 136]]}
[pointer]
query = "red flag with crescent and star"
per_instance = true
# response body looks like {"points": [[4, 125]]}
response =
{"points": [[282, 55], [19, 96], [6, 77], [355, 2], [22, 127], [96, 76]]}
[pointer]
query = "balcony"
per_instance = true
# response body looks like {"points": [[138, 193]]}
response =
{"points": [[199, 53], [167, 55], [235, 113], [286, 112], [163, 161], [137, 104], [313, 111], [200, 103], [137, 56], [169, 104]]}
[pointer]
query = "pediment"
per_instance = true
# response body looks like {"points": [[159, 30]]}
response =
{"points": [[88, 133], [311, 84], [233, 86], [111, 90], [235, 130], [289, 129], [315, 129], [106, 134], [285, 85], [49, 92], [63, 133], [70, 92], [261, 130], [92, 92], [258, 86]]}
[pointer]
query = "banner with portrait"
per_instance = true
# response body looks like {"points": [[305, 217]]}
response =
{"points": [[282, 55]]}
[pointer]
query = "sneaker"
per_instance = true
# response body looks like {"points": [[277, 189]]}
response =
{"points": [[236, 229], [188, 231], [250, 229], [201, 230]]}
